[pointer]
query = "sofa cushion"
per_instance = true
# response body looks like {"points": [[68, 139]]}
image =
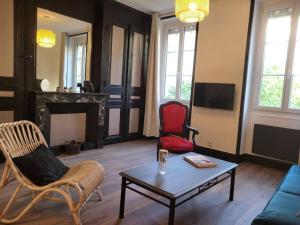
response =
{"points": [[281, 210], [291, 183]]}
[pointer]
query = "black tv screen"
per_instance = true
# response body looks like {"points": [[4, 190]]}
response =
{"points": [[212, 95]]}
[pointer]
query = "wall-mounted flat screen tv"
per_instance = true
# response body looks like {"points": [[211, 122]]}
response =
{"points": [[213, 95]]}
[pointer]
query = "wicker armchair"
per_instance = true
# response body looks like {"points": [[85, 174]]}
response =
{"points": [[21, 138]]}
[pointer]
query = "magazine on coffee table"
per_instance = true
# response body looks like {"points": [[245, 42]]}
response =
{"points": [[199, 161]]}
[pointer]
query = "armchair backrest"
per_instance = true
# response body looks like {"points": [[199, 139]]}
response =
{"points": [[173, 117], [19, 138]]}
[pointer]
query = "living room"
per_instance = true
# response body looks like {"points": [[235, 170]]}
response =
{"points": [[121, 93]]}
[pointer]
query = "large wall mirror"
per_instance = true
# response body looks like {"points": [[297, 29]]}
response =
{"points": [[63, 50]]}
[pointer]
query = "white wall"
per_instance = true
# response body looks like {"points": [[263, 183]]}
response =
{"points": [[6, 38], [220, 59], [48, 63]]}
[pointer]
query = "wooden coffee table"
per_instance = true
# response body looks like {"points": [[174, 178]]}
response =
{"points": [[181, 183]]}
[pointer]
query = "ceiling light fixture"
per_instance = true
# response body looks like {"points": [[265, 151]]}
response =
{"points": [[45, 38], [191, 11]]}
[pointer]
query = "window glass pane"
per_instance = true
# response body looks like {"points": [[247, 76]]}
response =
{"points": [[173, 40], [189, 37], [271, 91], [186, 85], [170, 87], [275, 58], [278, 27], [296, 63], [172, 61], [78, 67], [295, 93], [79, 51], [298, 30], [188, 63]]}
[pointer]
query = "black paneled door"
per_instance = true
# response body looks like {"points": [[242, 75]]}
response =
{"points": [[125, 84]]}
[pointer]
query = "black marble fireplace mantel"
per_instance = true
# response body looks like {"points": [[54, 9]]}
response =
{"points": [[93, 104]]}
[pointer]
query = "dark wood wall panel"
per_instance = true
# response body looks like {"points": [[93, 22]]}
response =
{"points": [[276, 142], [80, 9], [16, 83]]}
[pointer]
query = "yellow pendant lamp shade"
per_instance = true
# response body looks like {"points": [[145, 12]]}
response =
{"points": [[45, 38], [191, 11]]}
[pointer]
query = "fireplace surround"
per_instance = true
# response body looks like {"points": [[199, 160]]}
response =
{"points": [[93, 104]]}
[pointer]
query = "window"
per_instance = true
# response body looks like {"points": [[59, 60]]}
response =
{"points": [[280, 67], [76, 48], [178, 61], [80, 62]]}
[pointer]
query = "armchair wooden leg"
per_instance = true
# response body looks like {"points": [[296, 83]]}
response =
{"points": [[99, 193], [76, 217], [10, 202], [5, 176]]}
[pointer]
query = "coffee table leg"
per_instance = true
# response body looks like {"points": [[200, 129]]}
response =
{"points": [[232, 185], [172, 212], [122, 201]]}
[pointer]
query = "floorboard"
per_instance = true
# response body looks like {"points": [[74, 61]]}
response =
{"points": [[254, 187]]}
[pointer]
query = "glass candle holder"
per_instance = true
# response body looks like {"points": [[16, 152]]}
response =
{"points": [[162, 161]]}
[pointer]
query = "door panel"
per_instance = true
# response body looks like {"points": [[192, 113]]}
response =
{"points": [[115, 96], [6, 116], [134, 115], [137, 59], [7, 94], [135, 100], [114, 121], [117, 58], [115, 84]]}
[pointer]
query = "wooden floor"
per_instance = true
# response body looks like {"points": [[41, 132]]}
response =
{"points": [[254, 187]]}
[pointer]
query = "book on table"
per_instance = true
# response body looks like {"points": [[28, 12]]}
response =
{"points": [[199, 161]]}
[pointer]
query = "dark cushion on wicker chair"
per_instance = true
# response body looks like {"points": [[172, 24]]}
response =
{"points": [[41, 167]]}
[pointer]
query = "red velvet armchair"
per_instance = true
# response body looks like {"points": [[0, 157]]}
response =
{"points": [[174, 131]]}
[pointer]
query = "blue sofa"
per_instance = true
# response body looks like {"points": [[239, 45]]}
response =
{"points": [[284, 207]]}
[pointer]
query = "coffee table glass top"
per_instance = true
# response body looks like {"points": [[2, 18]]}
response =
{"points": [[180, 176]]}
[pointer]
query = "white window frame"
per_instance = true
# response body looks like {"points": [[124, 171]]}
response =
{"points": [[167, 25], [264, 16]]}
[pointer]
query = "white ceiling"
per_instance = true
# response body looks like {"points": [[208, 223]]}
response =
{"points": [[59, 23], [151, 6]]}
